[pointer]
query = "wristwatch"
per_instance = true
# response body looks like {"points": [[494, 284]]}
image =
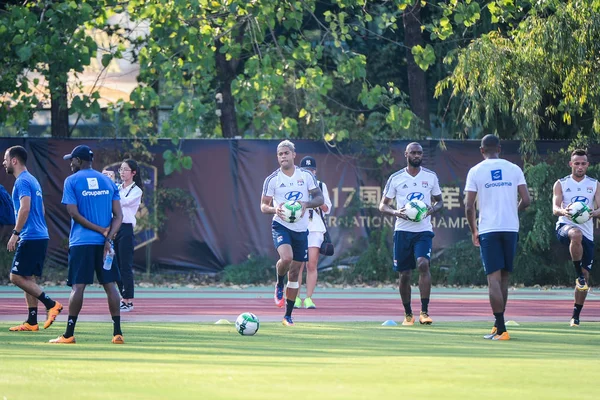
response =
{"points": [[15, 232]]}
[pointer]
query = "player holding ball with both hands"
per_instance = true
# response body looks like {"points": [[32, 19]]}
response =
{"points": [[289, 183], [413, 238], [579, 237]]}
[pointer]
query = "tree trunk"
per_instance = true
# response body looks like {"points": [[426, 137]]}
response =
{"points": [[59, 110], [226, 103], [154, 111], [417, 84], [226, 73]]}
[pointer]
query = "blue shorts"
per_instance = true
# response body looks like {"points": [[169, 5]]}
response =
{"points": [[562, 234], [84, 260], [498, 250], [298, 240], [29, 257], [408, 246]]}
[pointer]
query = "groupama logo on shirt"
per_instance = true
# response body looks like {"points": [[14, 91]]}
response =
{"points": [[497, 184], [95, 192], [496, 175], [92, 183]]}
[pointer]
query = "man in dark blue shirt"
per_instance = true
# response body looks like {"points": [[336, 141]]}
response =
{"points": [[29, 239], [94, 205]]}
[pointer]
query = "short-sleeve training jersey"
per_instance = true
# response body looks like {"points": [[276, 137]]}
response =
{"points": [[35, 227], [496, 183], [93, 193], [404, 188], [284, 188]]}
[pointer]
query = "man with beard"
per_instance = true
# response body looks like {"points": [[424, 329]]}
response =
{"points": [[413, 240], [577, 187], [29, 240], [286, 183], [94, 204], [497, 185]]}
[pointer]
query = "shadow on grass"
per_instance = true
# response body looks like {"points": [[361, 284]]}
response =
{"points": [[178, 343]]}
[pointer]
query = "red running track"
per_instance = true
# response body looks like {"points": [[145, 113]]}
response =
{"points": [[210, 309]]}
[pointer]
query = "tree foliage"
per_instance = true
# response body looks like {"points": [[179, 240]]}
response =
{"points": [[337, 70], [41, 43], [273, 66], [541, 72]]}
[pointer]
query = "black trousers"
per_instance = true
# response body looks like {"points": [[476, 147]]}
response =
{"points": [[124, 259]]}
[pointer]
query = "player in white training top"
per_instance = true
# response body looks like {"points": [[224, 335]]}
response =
{"points": [[290, 239], [316, 235], [577, 187], [412, 239], [497, 185]]}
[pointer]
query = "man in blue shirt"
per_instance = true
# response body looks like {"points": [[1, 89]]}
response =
{"points": [[94, 205], [29, 239]]}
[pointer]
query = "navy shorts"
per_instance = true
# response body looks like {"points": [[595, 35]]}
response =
{"points": [[84, 260], [29, 257], [408, 246], [298, 240], [498, 250], [562, 234]]}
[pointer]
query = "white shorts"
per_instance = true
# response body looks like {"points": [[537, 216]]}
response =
{"points": [[315, 239]]}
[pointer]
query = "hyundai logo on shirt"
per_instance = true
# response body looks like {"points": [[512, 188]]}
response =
{"points": [[580, 199], [295, 196], [415, 196]]}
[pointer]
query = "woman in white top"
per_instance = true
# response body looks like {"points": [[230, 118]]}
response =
{"points": [[131, 195], [316, 230]]}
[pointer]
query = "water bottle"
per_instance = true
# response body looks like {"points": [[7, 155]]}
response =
{"points": [[108, 260]]}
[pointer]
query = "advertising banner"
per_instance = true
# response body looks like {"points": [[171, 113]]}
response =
{"points": [[224, 226]]}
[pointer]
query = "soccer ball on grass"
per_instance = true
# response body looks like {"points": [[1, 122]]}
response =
{"points": [[247, 324]]}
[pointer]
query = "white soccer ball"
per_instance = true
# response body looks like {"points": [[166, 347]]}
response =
{"points": [[415, 210], [580, 212], [247, 324], [291, 211]]}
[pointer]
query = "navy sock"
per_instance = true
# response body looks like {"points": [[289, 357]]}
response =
{"points": [[577, 310], [32, 316], [280, 279], [425, 305], [407, 308], [289, 307], [578, 271], [500, 323], [70, 326], [117, 326], [47, 301]]}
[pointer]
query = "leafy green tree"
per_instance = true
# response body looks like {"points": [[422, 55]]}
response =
{"points": [[541, 71], [41, 43], [264, 69]]}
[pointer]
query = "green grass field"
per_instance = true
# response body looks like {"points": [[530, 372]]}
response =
{"points": [[308, 361]]}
